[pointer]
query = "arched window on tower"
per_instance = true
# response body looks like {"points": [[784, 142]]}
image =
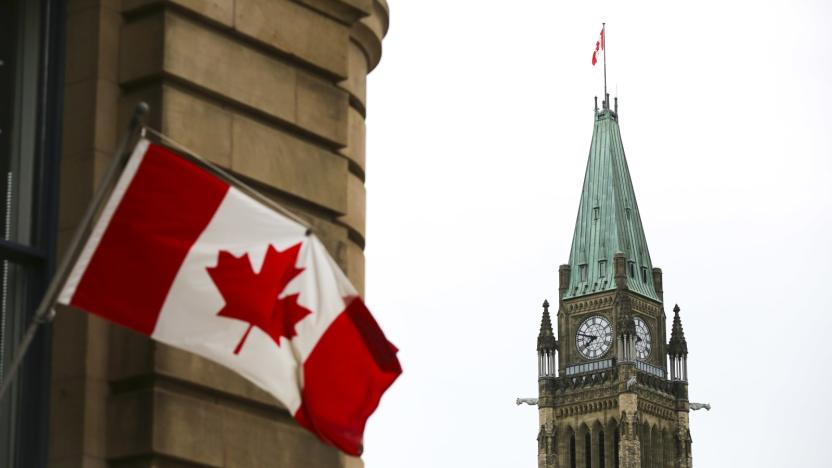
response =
{"points": [[658, 447], [617, 443], [610, 439], [583, 449], [669, 448], [602, 460], [573, 462], [588, 449], [644, 439]]}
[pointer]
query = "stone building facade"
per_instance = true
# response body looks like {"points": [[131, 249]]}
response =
{"points": [[272, 90], [612, 387]]}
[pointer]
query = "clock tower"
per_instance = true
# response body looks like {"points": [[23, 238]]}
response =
{"points": [[612, 385]]}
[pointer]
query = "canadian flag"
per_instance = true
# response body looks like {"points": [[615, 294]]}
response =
{"points": [[599, 46], [184, 257]]}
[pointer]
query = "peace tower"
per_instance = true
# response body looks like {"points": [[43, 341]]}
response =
{"points": [[613, 390]]}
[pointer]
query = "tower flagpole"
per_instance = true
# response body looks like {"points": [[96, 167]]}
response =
{"points": [[604, 44]]}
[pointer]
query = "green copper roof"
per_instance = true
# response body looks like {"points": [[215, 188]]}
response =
{"points": [[608, 219]]}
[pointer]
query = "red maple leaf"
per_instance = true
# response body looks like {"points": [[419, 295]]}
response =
{"points": [[254, 297]]}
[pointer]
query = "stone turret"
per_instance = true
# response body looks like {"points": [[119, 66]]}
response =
{"points": [[677, 349], [547, 345]]}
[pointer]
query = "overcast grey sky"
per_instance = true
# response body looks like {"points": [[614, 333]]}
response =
{"points": [[480, 118]]}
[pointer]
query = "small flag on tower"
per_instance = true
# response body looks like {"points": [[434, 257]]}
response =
{"points": [[599, 46], [184, 256]]}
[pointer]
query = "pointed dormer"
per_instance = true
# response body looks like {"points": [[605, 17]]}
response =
{"points": [[608, 219]]}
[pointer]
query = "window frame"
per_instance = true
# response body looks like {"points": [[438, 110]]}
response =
{"points": [[29, 396]]}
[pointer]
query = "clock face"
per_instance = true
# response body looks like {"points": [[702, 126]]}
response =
{"points": [[594, 337], [643, 343]]}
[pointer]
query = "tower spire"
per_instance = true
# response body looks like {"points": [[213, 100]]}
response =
{"points": [[608, 221]]}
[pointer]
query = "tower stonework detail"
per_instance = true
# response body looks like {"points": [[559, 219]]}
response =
{"points": [[613, 389]]}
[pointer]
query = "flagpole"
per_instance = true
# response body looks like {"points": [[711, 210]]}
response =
{"points": [[45, 311], [604, 43]]}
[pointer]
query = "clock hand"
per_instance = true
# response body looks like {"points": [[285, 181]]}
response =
{"points": [[591, 337], [589, 341]]}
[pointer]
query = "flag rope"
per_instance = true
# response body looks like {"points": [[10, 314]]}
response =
{"points": [[45, 312], [227, 176]]}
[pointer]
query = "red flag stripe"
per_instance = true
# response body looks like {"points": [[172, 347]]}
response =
{"points": [[345, 376], [147, 239]]}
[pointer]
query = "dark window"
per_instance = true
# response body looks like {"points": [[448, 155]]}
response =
{"points": [[632, 268], [573, 462], [30, 72], [615, 448], [596, 213], [643, 275], [602, 269], [588, 450], [601, 459]]}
